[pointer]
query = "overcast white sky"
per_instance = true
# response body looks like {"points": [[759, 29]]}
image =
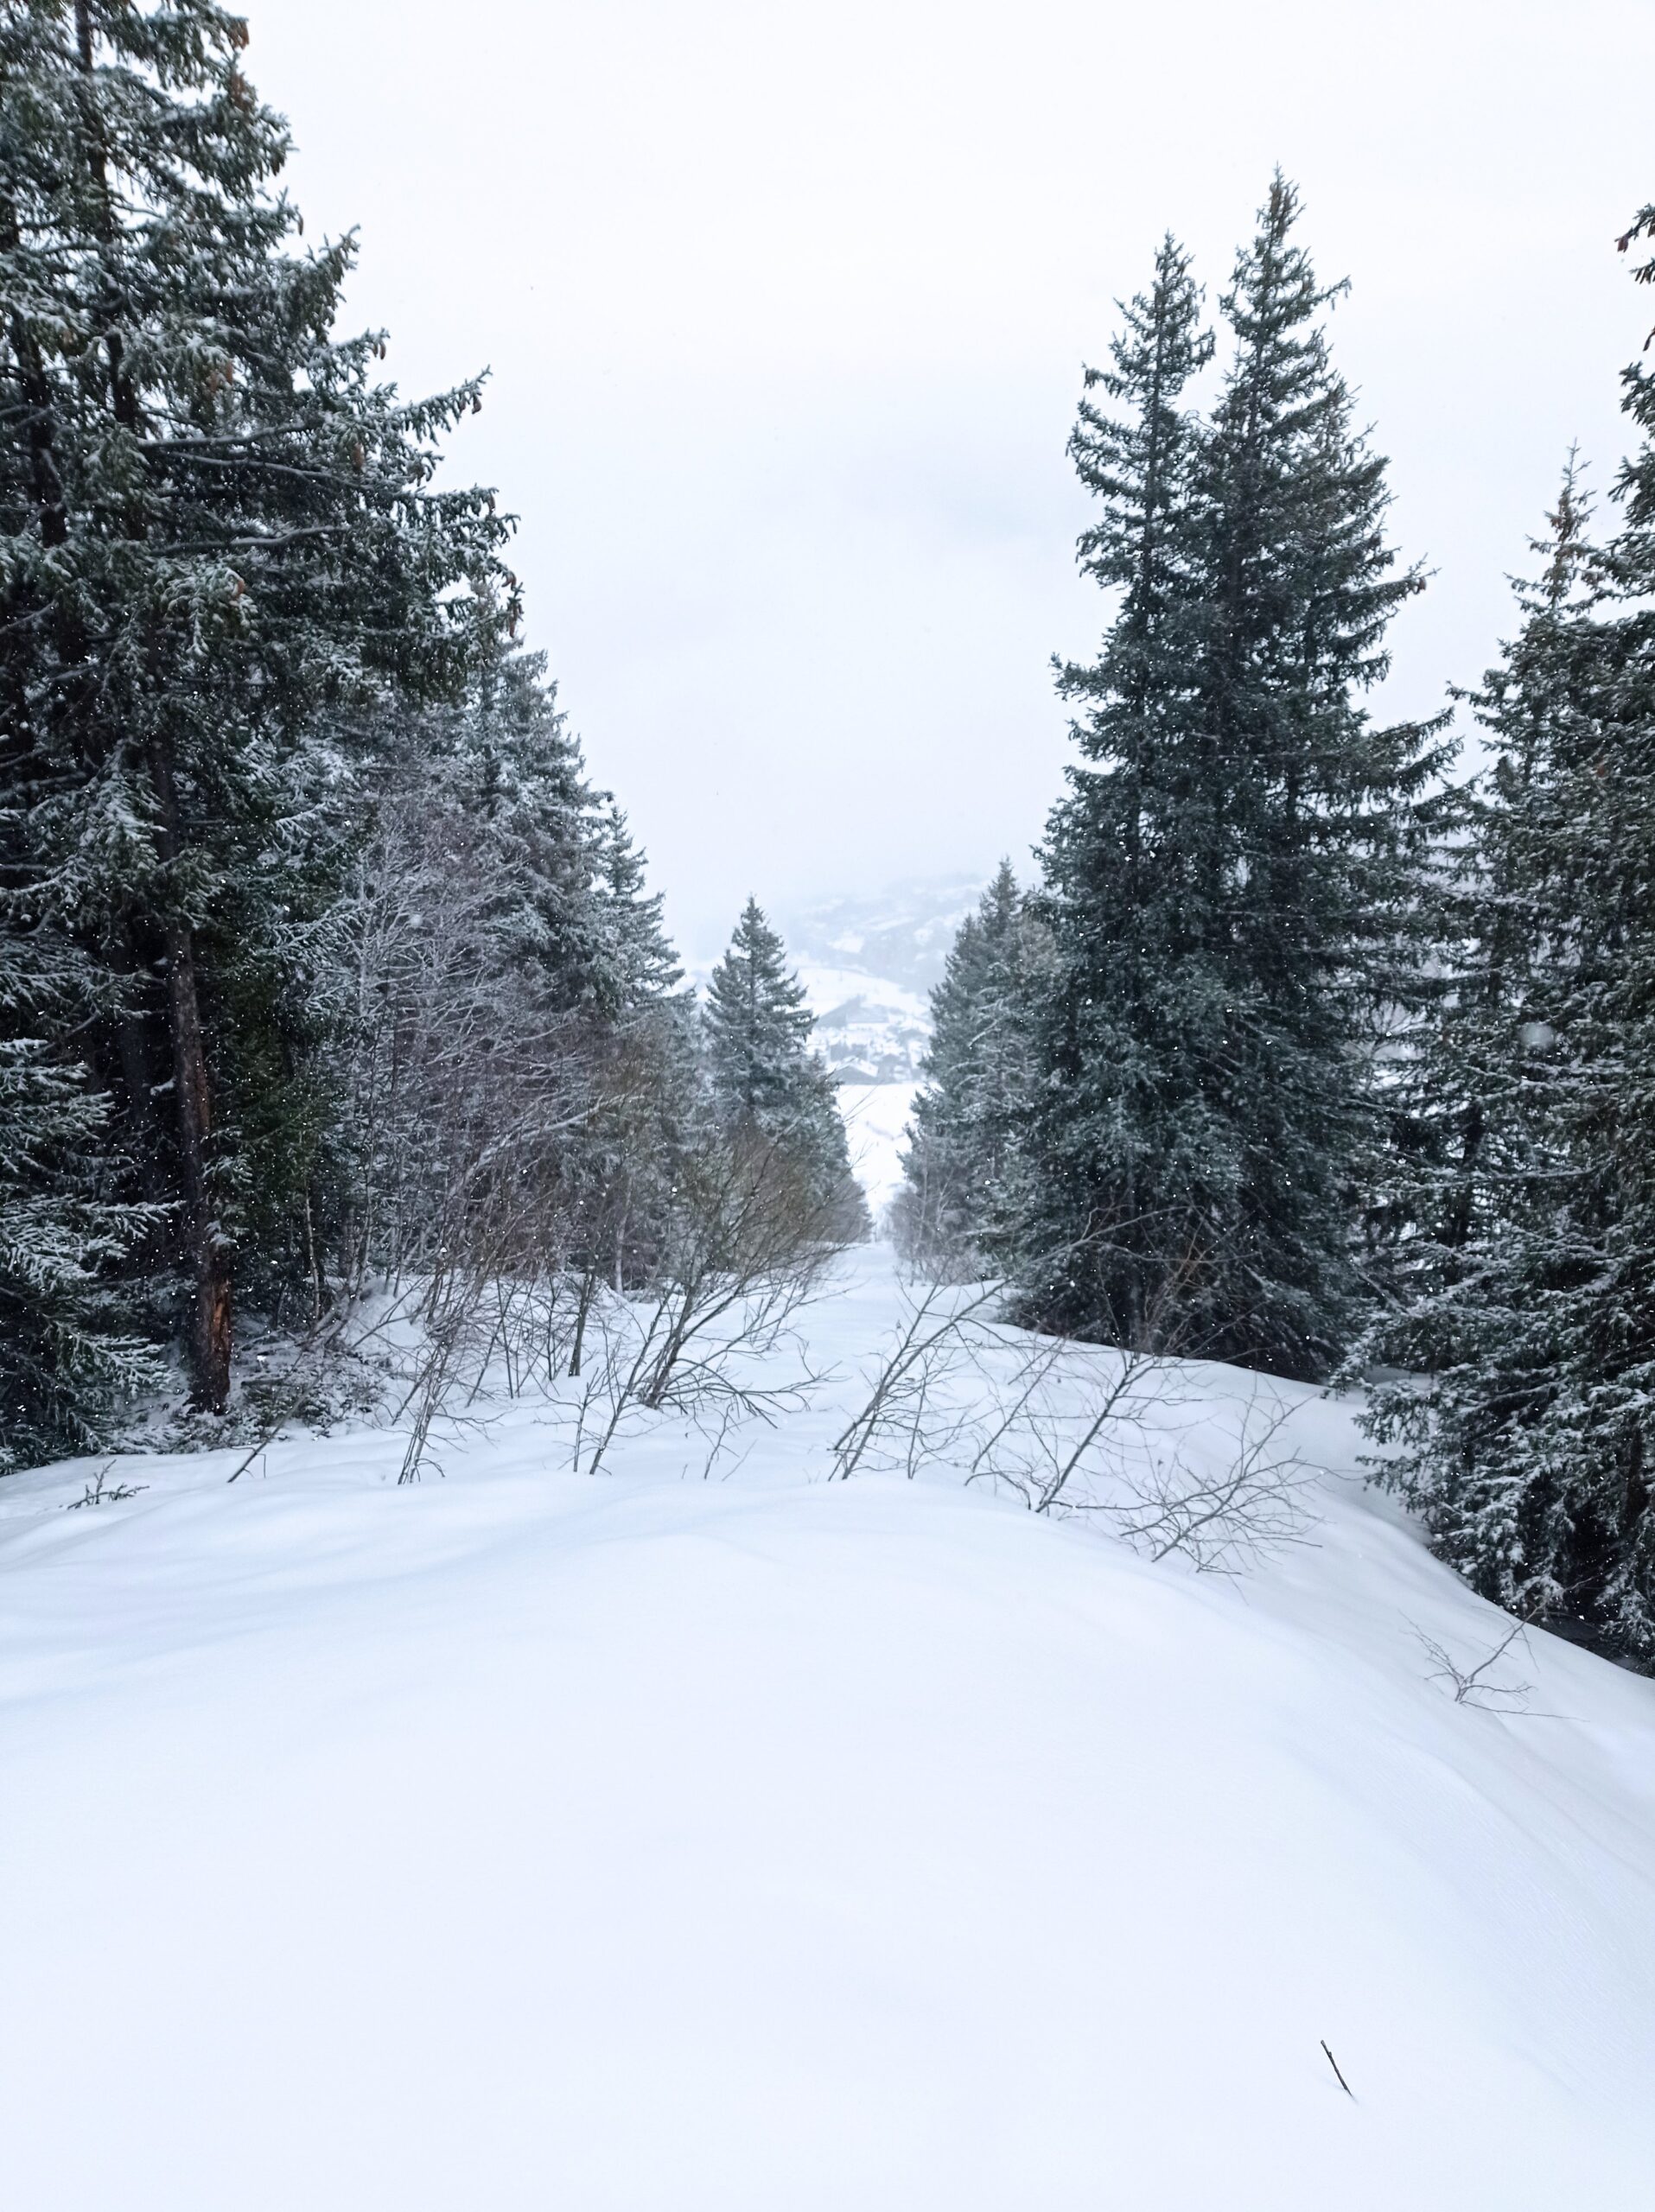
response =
{"points": [[786, 307]]}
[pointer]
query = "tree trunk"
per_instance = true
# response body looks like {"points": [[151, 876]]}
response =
{"points": [[589, 1284], [206, 1243]]}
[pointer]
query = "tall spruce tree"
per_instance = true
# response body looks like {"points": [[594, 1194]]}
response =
{"points": [[221, 556], [963, 1187], [766, 1080], [1120, 1139], [1232, 877], [1530, 1287]]}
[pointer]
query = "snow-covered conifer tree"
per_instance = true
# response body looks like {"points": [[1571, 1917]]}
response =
{"points": [[511, 1062], [69, 1359], [1528, 1277], [1232, 876], [222, 555], [1120, 1153], [764, 1079], [963, 1191]]}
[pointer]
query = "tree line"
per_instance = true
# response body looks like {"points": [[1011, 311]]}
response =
{"points": [[323, 965], [1319, 1045]]}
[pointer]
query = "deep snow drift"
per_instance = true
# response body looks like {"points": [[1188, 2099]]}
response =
{"points": [[763, 1845]]}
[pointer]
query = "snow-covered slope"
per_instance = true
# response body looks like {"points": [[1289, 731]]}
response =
{"points": [[869, 1029], [868, 965], [901, 933], [876, 1120], [654, 1844]]}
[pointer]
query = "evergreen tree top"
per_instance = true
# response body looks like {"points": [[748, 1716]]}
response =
{"points": [[979, 943], [219, 532], [758, 1024], [1132, 460], [183, 429], [1293, 491], [753, 981]]}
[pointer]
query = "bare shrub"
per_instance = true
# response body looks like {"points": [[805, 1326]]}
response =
{"points": [[902, 1420], [1079, 1430], [1223, 1518], [1113, 1436], [748, 1243], [1472, 1685]]}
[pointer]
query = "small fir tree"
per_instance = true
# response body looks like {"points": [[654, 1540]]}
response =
{"points": [[766, 1081], [963, 1191]]}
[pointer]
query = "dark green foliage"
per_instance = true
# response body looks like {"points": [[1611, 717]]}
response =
{"points": [[758, 1025], [221, 556], [1231, 883], [766, 1081], [69, 1363], [1123, 1141], [963, 1190], [1529, 1278]]}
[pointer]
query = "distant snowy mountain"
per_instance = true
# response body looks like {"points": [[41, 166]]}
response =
{"points": [[868, 965], [901, 934], [867, 1028]]}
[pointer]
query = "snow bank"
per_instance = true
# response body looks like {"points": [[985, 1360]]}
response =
{"points": [[521, 1840]]}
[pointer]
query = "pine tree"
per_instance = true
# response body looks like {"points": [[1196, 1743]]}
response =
{"points": [[222, 557], [758, 1025], [70, 1356], [574, 923], [636, 956], [1529, 1291], [516, 771], [69, 1359], [1233, 876], [963, 1187], [766, 1081], [1121, 1137]]}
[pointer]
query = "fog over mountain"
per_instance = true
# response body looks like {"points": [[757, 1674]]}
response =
{"points": [[869, 964]]}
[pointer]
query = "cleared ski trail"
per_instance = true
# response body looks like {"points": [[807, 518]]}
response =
{"points": [[523, 1839]]}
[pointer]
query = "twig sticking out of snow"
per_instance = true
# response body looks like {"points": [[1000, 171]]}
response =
{"points": [[1343, 2084], [1223, 1518], [1468, 1683], [97, 1495], [892, 1427]]}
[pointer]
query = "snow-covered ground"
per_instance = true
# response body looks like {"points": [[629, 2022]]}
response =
{"points": [[876, 1118], [866, 1022], [645, 1843]]}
